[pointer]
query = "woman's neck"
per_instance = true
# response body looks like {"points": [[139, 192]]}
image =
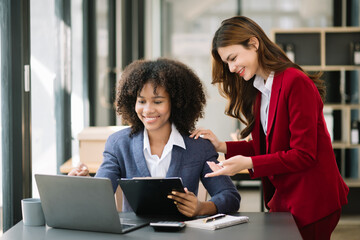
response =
{"points": [[158, 139], [264, 74]]}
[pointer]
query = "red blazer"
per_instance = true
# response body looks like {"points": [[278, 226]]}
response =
{"points": [[299, 170]]}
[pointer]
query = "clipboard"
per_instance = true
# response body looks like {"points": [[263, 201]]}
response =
{"points": [[148, 196]]}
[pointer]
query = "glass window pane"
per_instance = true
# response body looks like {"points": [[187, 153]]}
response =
{"points": [[102, 103], [288, 14], [1, 203], [191, 27], [51, 40], [78, 120], [44, 47]]}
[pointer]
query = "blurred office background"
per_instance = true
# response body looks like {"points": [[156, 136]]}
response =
{"points": [[76, 50]]}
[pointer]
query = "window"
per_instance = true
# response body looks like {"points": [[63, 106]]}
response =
{"points": [[1, 194], [288, 14], [44, 66], [51, 85], [189, 27], [103, 92], [78, 112]]}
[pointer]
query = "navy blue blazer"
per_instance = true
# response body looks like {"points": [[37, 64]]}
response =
{"points": [[124, 158]]}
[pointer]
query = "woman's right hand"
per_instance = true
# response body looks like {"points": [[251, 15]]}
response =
{"points": [[208, 134], [80, 170], [230, 166]]}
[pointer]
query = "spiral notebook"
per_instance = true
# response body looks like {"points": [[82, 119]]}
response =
{"points": [[224, 222]]}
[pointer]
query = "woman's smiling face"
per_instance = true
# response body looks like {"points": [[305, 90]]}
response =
{"points": [[241, 60], [153, 108]]}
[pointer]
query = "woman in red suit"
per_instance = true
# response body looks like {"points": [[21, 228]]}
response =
{"points": [[282, 108]]}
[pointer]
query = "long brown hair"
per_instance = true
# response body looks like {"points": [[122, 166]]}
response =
{"points": [[241, 94]]}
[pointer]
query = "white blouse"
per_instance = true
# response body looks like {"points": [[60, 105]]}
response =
{"points": [[265, 88], [158, 167]]}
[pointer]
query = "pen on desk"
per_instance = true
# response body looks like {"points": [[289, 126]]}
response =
{"points": [[215, 217]]}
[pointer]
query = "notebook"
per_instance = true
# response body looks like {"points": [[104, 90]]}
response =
{"points": [[226, 221], [83, 203], [148, 196]]}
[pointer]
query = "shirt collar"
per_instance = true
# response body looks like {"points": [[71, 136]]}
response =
{"points": [[264, 87], [174, 139]]}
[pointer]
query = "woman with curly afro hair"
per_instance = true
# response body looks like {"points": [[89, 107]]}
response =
{"points": [[183, 86], [161, 100]]}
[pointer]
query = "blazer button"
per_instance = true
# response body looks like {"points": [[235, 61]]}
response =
{"points": [[271, 177]]}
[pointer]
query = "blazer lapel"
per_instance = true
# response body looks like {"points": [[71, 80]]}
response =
{"points": [[137, 147], [256, 130], [275, 92], [176, 160]]}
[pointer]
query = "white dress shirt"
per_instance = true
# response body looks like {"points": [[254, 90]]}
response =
{"points": [[265, 89], [158, 167]]}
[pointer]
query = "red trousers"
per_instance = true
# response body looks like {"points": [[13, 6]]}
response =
{"points": [[321, 229]]}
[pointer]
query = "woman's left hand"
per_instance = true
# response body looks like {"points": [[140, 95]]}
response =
{"points": [[187, 203], [230, 166], [80, 170]]}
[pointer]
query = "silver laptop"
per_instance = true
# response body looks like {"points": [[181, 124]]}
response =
{"points": [[83, 203]]}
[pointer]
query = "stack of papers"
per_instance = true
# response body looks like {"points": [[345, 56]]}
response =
{"points": [[226, 221]]}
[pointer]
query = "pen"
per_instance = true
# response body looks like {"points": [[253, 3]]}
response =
{"points": [[215, 217]]}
